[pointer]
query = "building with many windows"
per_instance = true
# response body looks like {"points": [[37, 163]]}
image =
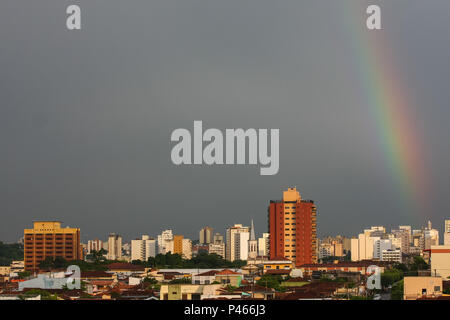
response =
{"points": [[292, 227], [49, 239]]}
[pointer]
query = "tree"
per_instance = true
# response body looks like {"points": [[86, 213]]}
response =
{"points": [[46, 264], [419, 264], [397, 291], [270, 281], [389, 277], [10, 252]]}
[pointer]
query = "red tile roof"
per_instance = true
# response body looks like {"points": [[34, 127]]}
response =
{"points": [[125, 266], [227, 272]]}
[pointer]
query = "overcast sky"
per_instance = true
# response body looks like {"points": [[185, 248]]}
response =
{"points": [[86, 116]]}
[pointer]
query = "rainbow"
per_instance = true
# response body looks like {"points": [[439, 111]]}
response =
{"points": [[394, 118]]}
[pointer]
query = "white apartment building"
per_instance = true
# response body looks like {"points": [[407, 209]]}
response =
{"points": [[142, 249], [379, 246], [447, 233], [237, 244], [362, 247], [114, 247], [394, 255], [187, 249], [217, 248], [264, 245], [92, 245], [164, 240]]}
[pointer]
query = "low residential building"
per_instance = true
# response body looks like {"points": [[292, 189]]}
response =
{"points": [[5, 270], [207, 277], [229, 277], [277, 264], [350, 266], [43, 281], [187, 291], [17, 266], [421, 287]]}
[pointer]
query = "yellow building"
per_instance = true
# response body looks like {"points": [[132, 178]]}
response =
{"points": [[277, 265], [49, 239], [440, 261], [5, 270], [188, 291], [418, 287], [178, 244]]}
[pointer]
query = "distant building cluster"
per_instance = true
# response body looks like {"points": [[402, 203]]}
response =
{"points": [[290, 250]]}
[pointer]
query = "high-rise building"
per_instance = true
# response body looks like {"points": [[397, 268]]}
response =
{"points": [[264, 245], [163, 241], [237, 242], [186, 252], [142, 249], [362, 247], [217, 248], [404, 234], [218, 238], [114, 247], [49, 239], [180, 245], [292, 228], [447, 233], [377, 231], [431, 237], [379, 246], [94, 245], [206, 235]]}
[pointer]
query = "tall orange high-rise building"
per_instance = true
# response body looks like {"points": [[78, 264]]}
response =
{"points": [[178, 244], [292, 228], [48, 239]]}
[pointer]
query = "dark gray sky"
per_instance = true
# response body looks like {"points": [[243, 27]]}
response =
{"points": [[86, 116]]}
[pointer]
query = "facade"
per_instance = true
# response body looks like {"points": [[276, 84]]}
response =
{"points": [[362, 247], [163, 241], [49, 239], [379, 246], [351, 266], [179, 245], [391, 255], [292, 228], [264, 245], [114, 247], [206, 235], [431, 237], [142, 249], [419, 287], [186, 249], [5, 270], [237, 242], [217, 248], [440, 261], [447, 233], [404, 234], [92, 245], [188, 291], [218, 238], [277, 264]]}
